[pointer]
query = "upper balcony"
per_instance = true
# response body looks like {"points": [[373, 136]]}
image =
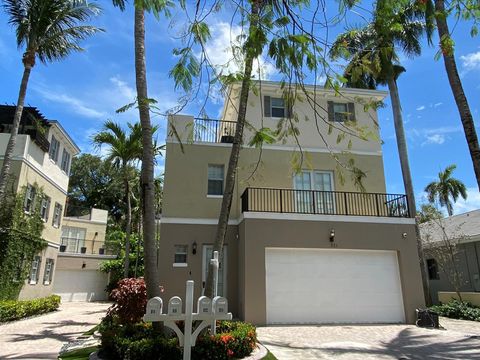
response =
{"points": [[324, 202]]}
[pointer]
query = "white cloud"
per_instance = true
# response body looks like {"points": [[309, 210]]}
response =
{"points": [[437, 139], [470, 61], [421, 107], [222, 54], [76, 105], [123, 88], [472, 202], [437, 104]]}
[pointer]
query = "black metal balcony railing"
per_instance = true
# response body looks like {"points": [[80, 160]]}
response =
{"points": [[213, 131], [79, 246], [324, 202]]}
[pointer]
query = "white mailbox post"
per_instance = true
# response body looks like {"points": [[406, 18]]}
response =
{"points": [[208, 312]]}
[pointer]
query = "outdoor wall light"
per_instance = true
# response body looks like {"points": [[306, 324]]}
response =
{"points": [[194, 248], [332, 235], [404, 235]]}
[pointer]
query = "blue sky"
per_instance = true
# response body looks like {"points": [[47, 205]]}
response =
{"points": [[85, 89]]}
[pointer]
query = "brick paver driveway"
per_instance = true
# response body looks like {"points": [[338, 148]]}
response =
{"points": [[42, 337], [458, 340]]}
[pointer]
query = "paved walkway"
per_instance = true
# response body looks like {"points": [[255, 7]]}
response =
{"points": [[42, 337], [458, 340]]}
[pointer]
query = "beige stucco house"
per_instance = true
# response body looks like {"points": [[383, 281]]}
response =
{"points": [[41, 160], [304, 244]]}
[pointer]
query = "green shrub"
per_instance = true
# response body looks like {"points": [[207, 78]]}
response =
{"points": [[234, 339], [139, 341], [456, 309], [13, 310]]}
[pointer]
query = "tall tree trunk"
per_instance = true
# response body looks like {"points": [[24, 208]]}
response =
{"points": [[7, 159], [457, 90], [128, 228], [148, 190], [234, 154], [407, 178]]}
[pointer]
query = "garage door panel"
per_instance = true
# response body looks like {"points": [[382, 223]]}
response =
{"points": [[80, 285], [332, 286]]}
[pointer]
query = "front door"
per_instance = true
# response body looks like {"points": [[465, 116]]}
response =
{"points": [[222, 268]]}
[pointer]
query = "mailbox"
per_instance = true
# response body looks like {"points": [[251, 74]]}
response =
{"points": [[154, 309], [220, 305], [175, 306], [204, 305]]}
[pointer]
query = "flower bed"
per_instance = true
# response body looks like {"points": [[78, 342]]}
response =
{"points": [[13, 310]]}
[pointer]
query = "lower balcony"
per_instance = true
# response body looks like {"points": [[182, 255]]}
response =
{"points": [[82, 246], [324, 202]]}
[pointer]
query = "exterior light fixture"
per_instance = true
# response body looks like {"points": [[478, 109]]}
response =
{"points": [[194, 248], [404, 235], [332, 235]]}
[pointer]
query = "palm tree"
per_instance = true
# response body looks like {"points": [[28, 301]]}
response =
{"points": [[49, 30], [373, 60], [436, 10], [446, 189], [148, 158], [123, 151]]}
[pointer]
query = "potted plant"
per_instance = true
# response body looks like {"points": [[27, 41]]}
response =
{"points": [[227, 137], [83, 249], [63, 248], [101, 251]]}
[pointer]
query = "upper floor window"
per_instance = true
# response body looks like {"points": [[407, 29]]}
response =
{"points": [[48, 274], [57, 215], [65, 161], [35, 269], [215, 180], [29, 201], [275, 107], [341, 112], [54, 149], [45, 208]]}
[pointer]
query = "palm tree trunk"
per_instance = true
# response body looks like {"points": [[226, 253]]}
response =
{"points": [[407, 178], [128, 228], [7, 160], [234, 155], [147, 190], [458, 93]]}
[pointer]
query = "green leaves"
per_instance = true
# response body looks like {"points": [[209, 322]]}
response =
{"points": [[186, 69], [262, 136]]}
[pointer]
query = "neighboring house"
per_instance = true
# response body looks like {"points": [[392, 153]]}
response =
{"points": [[462, 233], [301, 247], [42, 158], [82, 249]]}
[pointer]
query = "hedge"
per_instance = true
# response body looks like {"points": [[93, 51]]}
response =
{"points": [[13, 310], [456, 309]]}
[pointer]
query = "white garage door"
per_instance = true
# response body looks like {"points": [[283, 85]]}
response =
{"points": [[78, 285], [332, 286]]}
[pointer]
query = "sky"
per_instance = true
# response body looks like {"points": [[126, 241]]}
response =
{"points": [[85, 89]]}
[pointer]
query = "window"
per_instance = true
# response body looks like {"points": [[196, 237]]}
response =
{"points": [[57, 215], [432, 269], [180, 256], [275, 107], [73, 238], [45, 208], [35, 269], [47, 275], [319, 201], [54, 149], [29, 201], [215, 180], [65, 161], [341, 112]]}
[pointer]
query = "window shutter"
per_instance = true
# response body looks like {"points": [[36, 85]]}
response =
{"points": [[331, 114], [267, 108], [351, 110]]}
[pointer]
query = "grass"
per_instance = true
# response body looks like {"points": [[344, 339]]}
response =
{"points": [[80, 354], [269, 356], [91, 331]]}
